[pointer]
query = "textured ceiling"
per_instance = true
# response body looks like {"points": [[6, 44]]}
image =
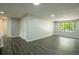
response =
{"points": [[43, 10]]}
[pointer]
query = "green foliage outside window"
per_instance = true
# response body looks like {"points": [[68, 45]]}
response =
{"points": [[68, 26]]}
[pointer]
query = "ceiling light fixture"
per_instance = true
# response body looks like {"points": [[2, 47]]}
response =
{"points": [[36, 3], [52, 15], [1, 12]]}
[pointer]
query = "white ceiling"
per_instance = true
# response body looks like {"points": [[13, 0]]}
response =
{"points": [[43, 10]]}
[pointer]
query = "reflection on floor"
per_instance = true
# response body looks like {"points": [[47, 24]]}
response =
{"points": [[53, 45]]}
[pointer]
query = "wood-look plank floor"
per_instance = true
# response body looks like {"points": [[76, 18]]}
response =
{"points": [[53, 45], [15, 46]]}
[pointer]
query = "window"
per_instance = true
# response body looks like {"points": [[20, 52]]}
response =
{"points": [[67, 26]]}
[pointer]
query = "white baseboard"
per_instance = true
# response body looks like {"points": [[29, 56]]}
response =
{"points": [[14, 36], [29, 40], [67, 36], [38, 38]]}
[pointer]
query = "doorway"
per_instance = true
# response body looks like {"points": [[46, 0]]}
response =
{"points": [[3, 25]]}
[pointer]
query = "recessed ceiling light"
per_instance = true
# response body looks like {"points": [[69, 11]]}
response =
{"points": [[52, 15], [36, 3], [1, 12]]}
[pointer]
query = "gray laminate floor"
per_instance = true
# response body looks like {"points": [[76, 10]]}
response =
{"points": [[53, 45]]}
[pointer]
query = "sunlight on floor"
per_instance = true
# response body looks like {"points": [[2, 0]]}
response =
{"points": [[66, 43]]}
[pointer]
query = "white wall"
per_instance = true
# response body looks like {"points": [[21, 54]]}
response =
{"points": [[33, 28], [74, 34], [13, 27], [9, 27], [39, 28], [23, 27]]}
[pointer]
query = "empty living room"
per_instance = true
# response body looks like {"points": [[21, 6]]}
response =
{"points": [[39, 28]]}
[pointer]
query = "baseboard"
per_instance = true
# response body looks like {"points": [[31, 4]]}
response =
{"points": [[23, 38], [68, 36], [29, 40], [38, 38], [14, 36]]}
